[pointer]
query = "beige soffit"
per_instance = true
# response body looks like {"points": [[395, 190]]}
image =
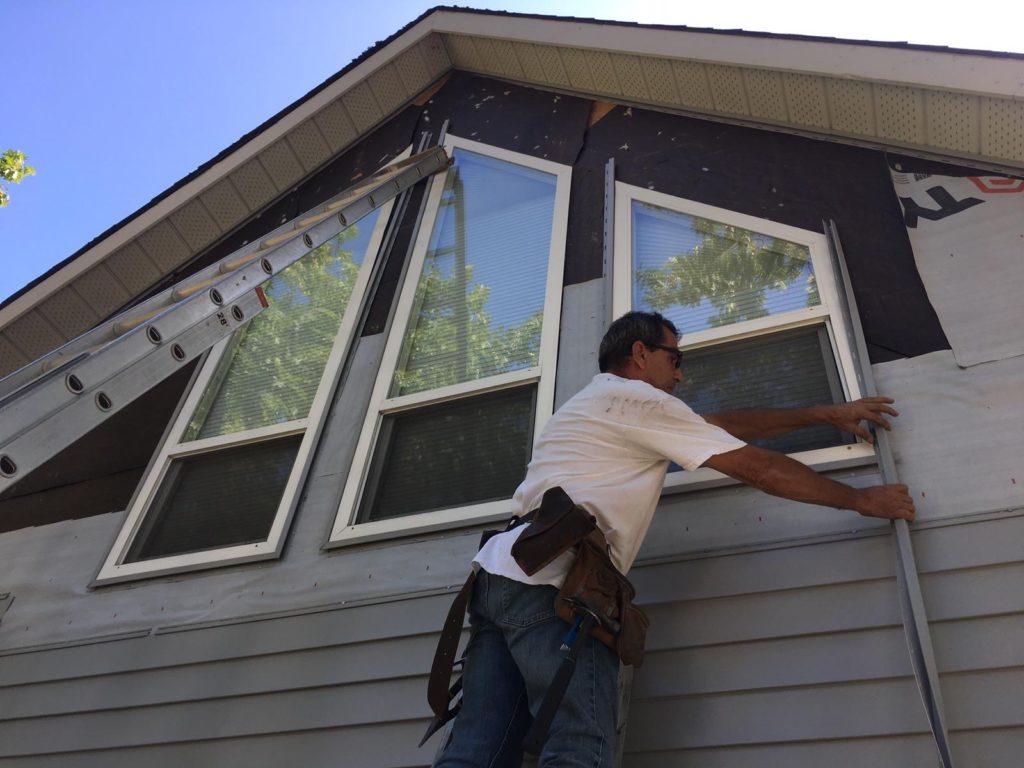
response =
{"points": [[952, 104]]}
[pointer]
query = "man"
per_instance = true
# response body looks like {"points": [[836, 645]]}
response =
{"points": [[608, 447]]}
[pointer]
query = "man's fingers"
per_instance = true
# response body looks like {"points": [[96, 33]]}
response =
{"points": [[880, 420], [863, 432]]}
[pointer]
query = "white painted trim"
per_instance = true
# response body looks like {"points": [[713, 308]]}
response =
{"points": [[457, 391], [821, 460], [424, 522], [344, 527], [245, 437], [114, 569], [966, 72], [745, 330]]}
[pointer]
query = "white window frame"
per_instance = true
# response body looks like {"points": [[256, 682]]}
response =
{"points": [[345, 530], [828, 313], [114, 569]]}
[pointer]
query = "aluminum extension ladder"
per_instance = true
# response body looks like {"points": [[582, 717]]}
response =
{"points": [[51, 402]]}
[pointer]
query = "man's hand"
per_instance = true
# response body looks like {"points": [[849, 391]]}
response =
{"points": [[892, 502], [780, 475], [848, 416]]}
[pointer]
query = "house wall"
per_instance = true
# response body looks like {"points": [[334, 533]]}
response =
{"points": [[776, 635]]}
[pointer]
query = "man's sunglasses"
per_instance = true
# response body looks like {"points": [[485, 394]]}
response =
{"points": [[673, 350]]}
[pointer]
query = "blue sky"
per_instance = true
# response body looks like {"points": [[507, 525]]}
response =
{"points": [[115, 100]]}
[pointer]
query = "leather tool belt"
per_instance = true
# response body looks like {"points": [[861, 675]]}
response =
{"points": [[595, 598]]}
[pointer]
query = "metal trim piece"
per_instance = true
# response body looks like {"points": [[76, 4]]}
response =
{"points": [[915, 620]]}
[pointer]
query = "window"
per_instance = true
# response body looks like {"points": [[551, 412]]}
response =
{"points": [[224, 483], [467, 377], [756, 308]]}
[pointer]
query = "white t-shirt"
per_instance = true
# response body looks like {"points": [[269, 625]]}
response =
{"points": [[608, 447]]}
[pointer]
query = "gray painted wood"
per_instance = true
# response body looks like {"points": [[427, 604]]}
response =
{"points": [[579, 336]]}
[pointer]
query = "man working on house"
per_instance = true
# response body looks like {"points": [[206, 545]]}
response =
{"points": [[608, 448]]}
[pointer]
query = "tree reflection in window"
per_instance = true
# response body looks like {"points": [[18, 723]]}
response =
{"points": [[272, 370], [479, 301], [705, 274]]}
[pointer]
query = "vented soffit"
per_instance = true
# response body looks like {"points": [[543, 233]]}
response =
{"points": [[961, 105]]}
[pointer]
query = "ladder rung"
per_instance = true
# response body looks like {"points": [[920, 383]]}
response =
{"points": [[38, 398]]}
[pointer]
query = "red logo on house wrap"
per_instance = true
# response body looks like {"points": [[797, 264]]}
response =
{"points": [[997, 184]]}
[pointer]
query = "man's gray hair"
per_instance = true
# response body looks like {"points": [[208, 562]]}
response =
{"points": [[617, 344]]}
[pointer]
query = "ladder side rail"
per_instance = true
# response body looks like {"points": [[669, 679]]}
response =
{"points": [[17, 414], [21, 415], [58, 359], [47, 438]]}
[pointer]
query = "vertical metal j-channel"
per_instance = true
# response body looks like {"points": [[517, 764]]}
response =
{"points": [[915, 621]]}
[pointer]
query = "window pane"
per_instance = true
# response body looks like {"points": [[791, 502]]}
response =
{"points": [[271, 372], [480, 298], [704, 274], [460, 452], [216, 500], [787, 370]]}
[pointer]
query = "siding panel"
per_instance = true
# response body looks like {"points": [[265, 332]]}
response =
{"points": [[796, 656]]}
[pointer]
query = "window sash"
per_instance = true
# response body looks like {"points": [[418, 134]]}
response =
{"points": [[345, 529], [828, 313], [174, 447]]}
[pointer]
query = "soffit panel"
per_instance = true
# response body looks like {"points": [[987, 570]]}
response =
{"points": [[101, 290], [32, 335], [66, 311], [224, 203], [281, 165], [958, 125], [164, 246], [133, 268], [195, 224], [10, 352]]}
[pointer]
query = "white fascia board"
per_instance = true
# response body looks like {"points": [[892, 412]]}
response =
{"points": [[210, 176], [969, 73]]}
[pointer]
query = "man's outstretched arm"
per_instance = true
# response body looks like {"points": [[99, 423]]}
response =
{"points": [[779, 475], [757, 424]]}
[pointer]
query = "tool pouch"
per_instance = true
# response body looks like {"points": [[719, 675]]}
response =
{"points": [[557, 526], [593, 584]]}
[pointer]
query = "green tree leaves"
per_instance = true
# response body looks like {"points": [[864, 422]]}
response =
{"points": [[12, 170], [730, 267]]}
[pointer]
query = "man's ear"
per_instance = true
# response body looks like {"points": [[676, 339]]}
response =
{"points": [[639, 354]]}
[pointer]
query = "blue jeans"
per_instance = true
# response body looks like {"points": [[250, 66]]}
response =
{"points": [[511, 658]]}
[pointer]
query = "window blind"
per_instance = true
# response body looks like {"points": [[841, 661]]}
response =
{"points": [[273, 367], [464, 451], [792, 369], [479, 300], [216, 499], [704, 274]]}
